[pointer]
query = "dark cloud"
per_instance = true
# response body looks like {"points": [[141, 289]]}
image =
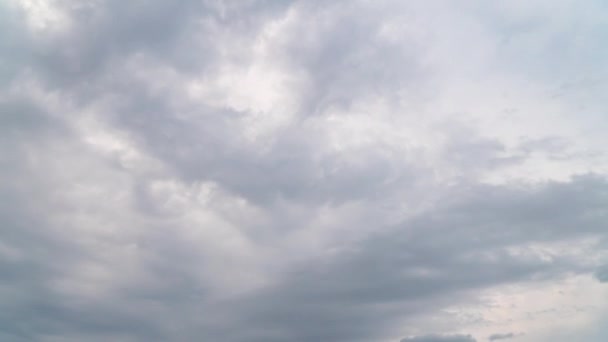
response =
{"points": [[440, 338], [601, 274], [413, 268], [496, 337]]}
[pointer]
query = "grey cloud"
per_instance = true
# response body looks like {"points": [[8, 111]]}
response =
{"points": [[342, 244], [105, 34], [440, 338], [336, 53], [417, 266], [601, 274], [208, 145], [14, 46], [496, 337]]}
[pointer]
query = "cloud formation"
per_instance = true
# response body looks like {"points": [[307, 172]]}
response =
{"points": [[601, 274], [440, 338], [301, 170], [496, 337]]}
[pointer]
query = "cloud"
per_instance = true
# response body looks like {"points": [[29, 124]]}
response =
{"points": [[496, 337], [601, 274], [290, 170], [440, 338]]}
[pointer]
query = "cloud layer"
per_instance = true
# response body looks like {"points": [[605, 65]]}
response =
{"points": [[302, 170]]}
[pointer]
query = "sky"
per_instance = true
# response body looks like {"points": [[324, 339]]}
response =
{"points": [[303, 170]]}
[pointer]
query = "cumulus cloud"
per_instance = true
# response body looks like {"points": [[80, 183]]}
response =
{"points": [[296, 170]]}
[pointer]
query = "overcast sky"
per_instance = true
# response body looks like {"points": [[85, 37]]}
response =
{"points": [[334, 171]]}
